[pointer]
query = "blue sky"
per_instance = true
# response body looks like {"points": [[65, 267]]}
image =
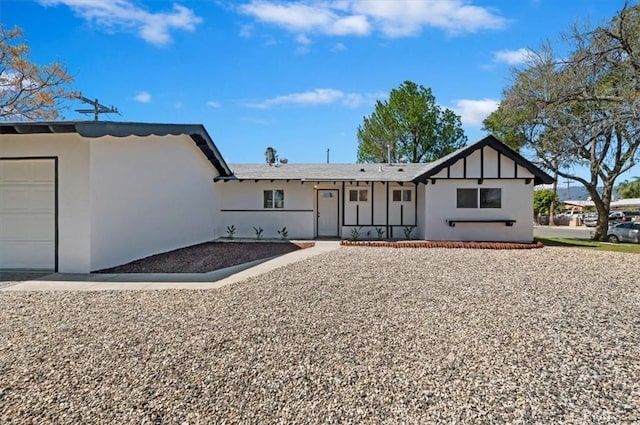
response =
{"points": [[297, 75]]}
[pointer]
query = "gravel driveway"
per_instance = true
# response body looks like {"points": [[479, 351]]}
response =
{"points": [[357, 335]]}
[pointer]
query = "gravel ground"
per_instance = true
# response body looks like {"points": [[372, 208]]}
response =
{"points": [[357, 335]]}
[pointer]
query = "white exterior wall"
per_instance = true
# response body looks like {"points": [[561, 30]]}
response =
{"points": [[421, 224], [398, 217], [149, 195], [241, 205], [74, 230], [517, 204]]}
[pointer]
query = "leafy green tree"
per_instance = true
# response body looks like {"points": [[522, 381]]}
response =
{"points": [[629, 189], [545, 201], [578, 109], [411, 125], [28, 91]]}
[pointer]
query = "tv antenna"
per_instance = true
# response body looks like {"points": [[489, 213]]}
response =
{"points": [[97, 108]]}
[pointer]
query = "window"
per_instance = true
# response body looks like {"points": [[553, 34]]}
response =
{"points": [[361, 195], [467, 198], [489, 198], [273, 199], [402, 195]]}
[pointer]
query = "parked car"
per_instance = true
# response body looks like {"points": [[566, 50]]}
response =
{"points": [[543, 219], [573, 214], [624, 232], [590, 220], [623, 216], [616, 215]]}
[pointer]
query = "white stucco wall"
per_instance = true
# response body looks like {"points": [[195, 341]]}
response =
{"points": [[149, 195], [241, 205], [517, 204], [397, 216], [421, 223], [74, 230]]}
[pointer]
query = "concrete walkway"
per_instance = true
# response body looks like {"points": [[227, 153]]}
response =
{"points": [[147, 281]]}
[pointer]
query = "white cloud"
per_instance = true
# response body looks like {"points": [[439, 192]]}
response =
{"points": [[123, 15], [512, 57], [320, 97], [302, 17], [142, 97], [246, 31], [391, 18], [338, 47], [473, 112], [303, 39], [213, 104]]}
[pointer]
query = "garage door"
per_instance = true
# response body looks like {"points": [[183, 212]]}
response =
{"points": [[27, 214]]}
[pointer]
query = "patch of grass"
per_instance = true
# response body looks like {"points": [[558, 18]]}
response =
{"points": [[581, 243]]}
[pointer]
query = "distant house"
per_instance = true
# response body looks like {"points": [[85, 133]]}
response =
{"points": [[82, 196]]}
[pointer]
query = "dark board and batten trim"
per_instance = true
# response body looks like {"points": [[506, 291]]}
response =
{"points": [[540, 176]]}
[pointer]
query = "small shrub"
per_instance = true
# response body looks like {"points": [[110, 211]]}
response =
{"points": [[407, 231], [258, 231], [231, 231], [380, 232], [355, 233], [284, 234], [369, 234]]}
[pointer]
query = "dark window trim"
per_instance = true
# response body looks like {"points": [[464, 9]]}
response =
{"points": [[273, 200]]}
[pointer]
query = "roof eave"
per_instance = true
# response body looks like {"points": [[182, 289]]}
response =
{"points": [[94, 129]]}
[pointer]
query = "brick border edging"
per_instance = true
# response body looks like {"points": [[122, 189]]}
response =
{"points": [[444, 244]]}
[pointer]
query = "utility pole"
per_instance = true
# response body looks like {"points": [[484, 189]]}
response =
{"points": [[97, 108]]}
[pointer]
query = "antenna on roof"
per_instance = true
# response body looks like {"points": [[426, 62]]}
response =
{"points": [[97, 108]]}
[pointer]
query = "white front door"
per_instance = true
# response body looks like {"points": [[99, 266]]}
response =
{"points": [[327, 216], [27, 213]]}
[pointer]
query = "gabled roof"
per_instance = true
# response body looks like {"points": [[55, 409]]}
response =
{"points": [[327, 172], [94, 129], [435, 167], [417, 173]]}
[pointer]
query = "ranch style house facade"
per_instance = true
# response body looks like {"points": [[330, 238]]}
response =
{"points": [[80, 196]]}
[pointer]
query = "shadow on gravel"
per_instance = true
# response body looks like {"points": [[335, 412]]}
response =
{"points": [[208, 257]]}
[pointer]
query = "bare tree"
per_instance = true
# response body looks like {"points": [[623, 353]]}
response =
{"points": [[583, 110], [28, 91]]}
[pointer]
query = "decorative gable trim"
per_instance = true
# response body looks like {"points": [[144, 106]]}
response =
{"points": [[503, 151]]}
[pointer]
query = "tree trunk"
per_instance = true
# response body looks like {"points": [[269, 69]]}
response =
{"points": [[555, 193], [602, 206]]}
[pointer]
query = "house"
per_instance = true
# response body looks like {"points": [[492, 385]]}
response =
{"points": [[482, 192], [82, 196]]}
